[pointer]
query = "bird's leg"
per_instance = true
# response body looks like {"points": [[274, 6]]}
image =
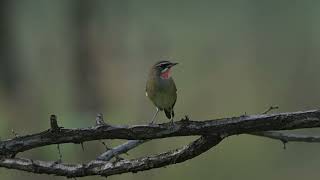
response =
{"points": [[171, 120], [154, 116]]}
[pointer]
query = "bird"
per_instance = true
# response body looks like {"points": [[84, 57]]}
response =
{"points": [[161, 89]]}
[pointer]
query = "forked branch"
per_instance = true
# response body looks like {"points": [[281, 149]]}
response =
{"points": [[211, 132]]}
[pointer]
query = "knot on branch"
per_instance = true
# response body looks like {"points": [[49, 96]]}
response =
{"points": [[54, 123], [99, 120]]}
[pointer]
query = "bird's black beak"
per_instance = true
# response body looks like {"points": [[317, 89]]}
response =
{"points": [[173, 64]]}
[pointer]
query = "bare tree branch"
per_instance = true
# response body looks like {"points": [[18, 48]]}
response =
{"points": [[104, 168], [287, 137], [127, 146], [235, 125], [121, 149], [283, 137], [211, 132]]}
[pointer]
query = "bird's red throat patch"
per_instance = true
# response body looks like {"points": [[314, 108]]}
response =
{"points": [[165, 74]]}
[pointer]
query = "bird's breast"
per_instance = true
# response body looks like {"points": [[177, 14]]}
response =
{"points": [[162, 92]]}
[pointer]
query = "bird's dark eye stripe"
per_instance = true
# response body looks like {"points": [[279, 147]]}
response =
{"points": [[163, 64]]}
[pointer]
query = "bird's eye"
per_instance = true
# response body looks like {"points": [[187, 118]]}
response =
{"points": [[162, 65]]}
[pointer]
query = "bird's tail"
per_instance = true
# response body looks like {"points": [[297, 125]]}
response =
{"points": [[169, 113]]}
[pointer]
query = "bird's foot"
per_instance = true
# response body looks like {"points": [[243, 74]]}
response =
{"points": [[172, 123], [186, 118]]}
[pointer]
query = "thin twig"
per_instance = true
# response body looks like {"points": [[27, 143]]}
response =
{"points": [[121, 149], [271, 108], [59, 151], [105, 145], [82, 146], [288, 137], [14, 133]]}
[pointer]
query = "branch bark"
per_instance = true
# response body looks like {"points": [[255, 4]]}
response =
{"points": [[121, 149], [211, 132], [287, 137], [105, 168], [184, 127], [283, 137]]}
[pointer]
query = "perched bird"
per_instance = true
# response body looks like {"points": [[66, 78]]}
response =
{"points": [[161, 88]]}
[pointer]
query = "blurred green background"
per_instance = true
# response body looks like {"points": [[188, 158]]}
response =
{"points": [[79, 57]]}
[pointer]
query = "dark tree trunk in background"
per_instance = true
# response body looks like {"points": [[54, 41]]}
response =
{"points": [[7, 63], [86, 86]]}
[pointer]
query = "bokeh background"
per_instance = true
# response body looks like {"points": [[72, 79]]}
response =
{"points": [[79, 57]]}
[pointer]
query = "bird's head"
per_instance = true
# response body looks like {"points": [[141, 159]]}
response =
{"points": [[163, 68]]}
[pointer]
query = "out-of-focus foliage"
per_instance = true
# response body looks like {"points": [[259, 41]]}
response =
{"points": [[79, 57]]}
